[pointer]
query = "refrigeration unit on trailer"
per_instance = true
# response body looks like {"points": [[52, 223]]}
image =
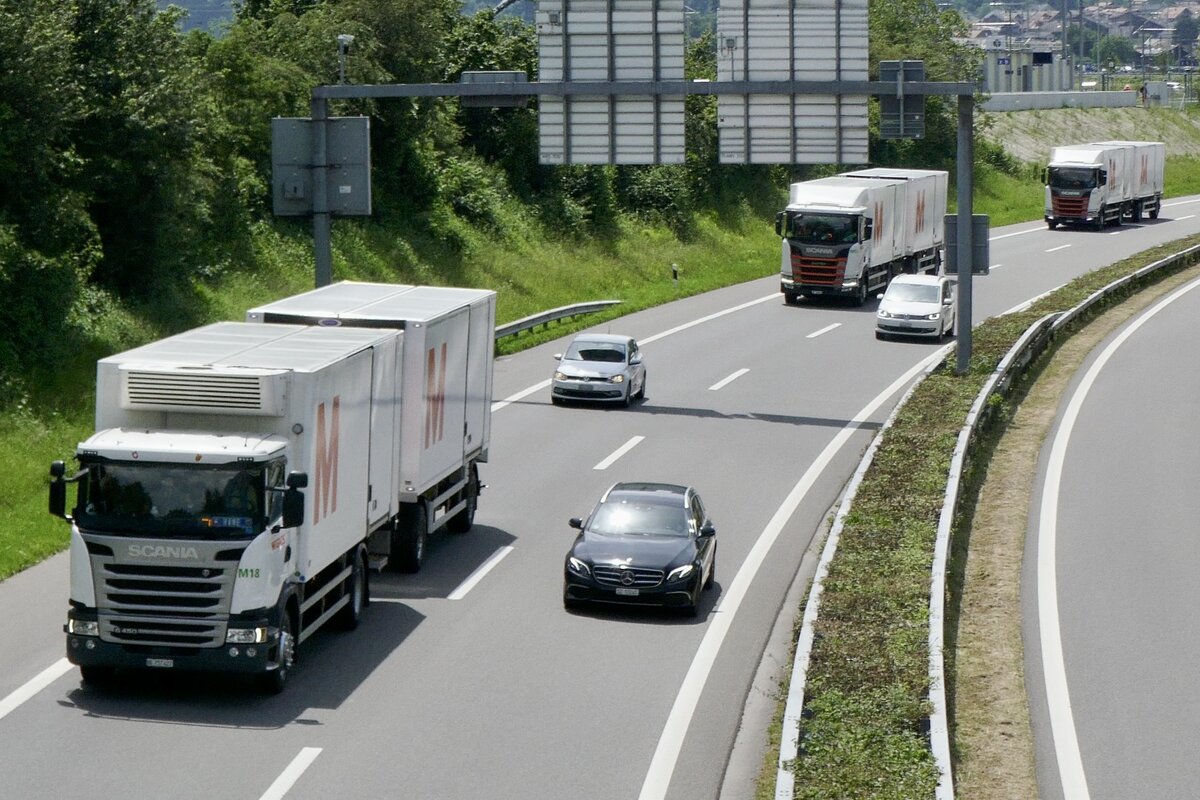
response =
{"points": [[224, 505], [443, 424], [848, 235]]}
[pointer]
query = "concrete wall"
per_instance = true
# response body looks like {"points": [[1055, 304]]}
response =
{"points": [[1024, 101]]}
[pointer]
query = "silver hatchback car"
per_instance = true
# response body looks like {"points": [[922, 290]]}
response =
{"points": [[599, 367]]}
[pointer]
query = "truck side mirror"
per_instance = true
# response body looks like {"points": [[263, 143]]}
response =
{"points": [[779, 218], [58, 489], [297, 480], [293, 508], [868, 228]]}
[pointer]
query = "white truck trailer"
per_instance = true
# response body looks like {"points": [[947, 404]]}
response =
{"points": [[1147, 165], [1102, 183], [850, 234], [193, 546], [444, 420]]}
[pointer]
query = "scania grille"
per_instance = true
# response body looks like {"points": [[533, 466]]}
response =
{"points": [[162, 605], [820, 271], [642, 578], [1070, 206]]}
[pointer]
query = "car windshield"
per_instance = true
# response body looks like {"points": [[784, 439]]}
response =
{"points": [[613, 352], [172, 499], [912, 293], [634, 519], [824, 229], [1072, 178]]}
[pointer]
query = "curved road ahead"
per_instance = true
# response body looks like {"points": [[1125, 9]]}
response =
{"points": [[469, 680]]}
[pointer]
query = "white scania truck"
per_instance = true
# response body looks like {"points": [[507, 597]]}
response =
{"points": [[244, 477], [1103, 183], [850, 234]]}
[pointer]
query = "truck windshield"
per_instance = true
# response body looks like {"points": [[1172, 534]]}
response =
{"points": [[808, 228], [1072, 178], [172, 500]]}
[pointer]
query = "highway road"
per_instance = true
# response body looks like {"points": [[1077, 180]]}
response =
{"points": [[1112, 602], [469, 680]]}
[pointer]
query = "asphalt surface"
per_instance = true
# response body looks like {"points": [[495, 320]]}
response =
{"points": [[466, 684]]}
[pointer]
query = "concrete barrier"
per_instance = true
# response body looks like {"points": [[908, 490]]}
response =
{"points": [[1025, 101]]}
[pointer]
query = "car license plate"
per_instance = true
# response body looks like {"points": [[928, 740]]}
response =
{"points": [[625, 592], [163, 663]]}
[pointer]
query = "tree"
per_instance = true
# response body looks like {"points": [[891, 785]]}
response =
{"points": [[1115, 50], [1186, 29]]}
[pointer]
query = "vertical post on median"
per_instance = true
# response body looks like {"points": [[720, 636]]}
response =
{"points": [[322, 248], [966, 158]]}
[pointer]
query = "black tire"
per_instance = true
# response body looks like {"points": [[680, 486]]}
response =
{"points": [[1154, 213], [571, 604], [558, 401], [1137, 211], [641, 394], [692, 609], [275, 681], [880, 335], [1051, 224], [94, 675], [463, 520], [860, 298], [791, 298], [628, 401], [410, 536], [712, 573], [350, 615]]}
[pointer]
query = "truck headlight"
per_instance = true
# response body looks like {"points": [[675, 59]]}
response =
{"points": [[246, 635], [83, 627]]}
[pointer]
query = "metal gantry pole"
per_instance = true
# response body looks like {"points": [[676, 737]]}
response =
{"points": [[322, 247], [966, 157]]}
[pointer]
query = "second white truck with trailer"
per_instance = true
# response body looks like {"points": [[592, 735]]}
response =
{"points": [[1103, 183], [850, 234]]}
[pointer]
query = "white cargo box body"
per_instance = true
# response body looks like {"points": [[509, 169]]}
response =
{"points": [[878, 199], [924, 204], [444, 366], [1109, 157], [310, 387], [1146, 168]]}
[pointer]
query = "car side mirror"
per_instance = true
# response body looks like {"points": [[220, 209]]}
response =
{"points": [[558, 356], [708, 529], [879, 296], [636, 359], [575, 522]]}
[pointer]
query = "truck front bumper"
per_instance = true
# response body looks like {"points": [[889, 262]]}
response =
{"points": [[793, 287]]}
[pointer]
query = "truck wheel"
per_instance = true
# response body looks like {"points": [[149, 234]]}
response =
{"points": [[351, 614], [93, 675], [275, 681], [1051, 224], [1137, 211], [409, 537], [791, 298], [1154, 213], [463, 520], [860, 298]]}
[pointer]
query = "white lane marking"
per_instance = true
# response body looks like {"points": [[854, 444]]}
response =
{"points": [[1058, 698], [1189, 216], [512, 398], [1015, 233], [476, 576], [620, 451], [289, 776], [34, 685], [1056, 249], [662, 765], [826, 329], [726, 381], [995, 266], [1181, 203]]}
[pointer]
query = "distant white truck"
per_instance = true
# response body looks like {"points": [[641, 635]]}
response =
{"points": [[850, 234], [244, 477], [1102, 183]]}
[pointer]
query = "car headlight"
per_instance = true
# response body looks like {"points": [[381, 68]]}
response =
{"points": [[617, 379], [83, 627], [885, 314], [559, 376], [245, 635], [679, 573], [579, 567], [934, 315]]}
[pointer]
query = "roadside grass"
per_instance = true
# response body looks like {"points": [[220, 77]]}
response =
{"points": [[866, 709]]}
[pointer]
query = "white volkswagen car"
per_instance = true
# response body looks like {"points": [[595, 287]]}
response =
{"points": [[916, 305], [599, 367]]}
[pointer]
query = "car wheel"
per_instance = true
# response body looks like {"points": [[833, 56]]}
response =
{"points": [[880, 335], [556, 400], [692, 609], [350, 614], [712, 570], [570, 603], [641, 395], [628, 401]]}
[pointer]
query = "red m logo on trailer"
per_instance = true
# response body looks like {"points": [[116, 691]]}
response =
{"points": [[878, 236], [1145, 169], [325, 494], [920, 222], [435, 396]]}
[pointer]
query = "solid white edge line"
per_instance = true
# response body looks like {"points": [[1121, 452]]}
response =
{"points": [[620, 451], [476, 576], [1189, 216], [666, 754], [34, 685], [826, 329], [721, 384], [1058, 699], [1056, 249], [289, 776]]}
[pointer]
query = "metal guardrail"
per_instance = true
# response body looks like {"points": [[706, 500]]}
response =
{"points": [[1013, 365], [553, 315]]}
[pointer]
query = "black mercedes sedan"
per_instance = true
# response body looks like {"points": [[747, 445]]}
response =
{"points": [[646, 544]]}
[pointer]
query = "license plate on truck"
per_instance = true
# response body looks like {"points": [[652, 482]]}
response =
{"points": [[161, 663]]}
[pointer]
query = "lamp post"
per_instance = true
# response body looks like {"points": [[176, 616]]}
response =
{"points": [[344, 41]]}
